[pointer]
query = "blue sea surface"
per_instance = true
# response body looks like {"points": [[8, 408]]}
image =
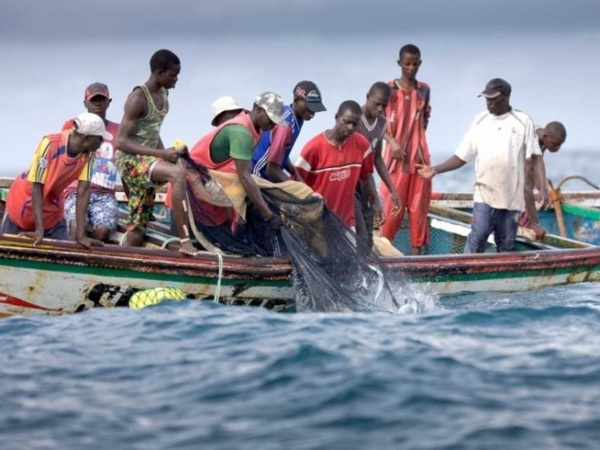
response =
{"points": [[493, 371]]}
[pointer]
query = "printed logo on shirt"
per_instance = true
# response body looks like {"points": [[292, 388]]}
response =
{"points": [[106, 150], [340, 175], [105, 171], [43, 163]]}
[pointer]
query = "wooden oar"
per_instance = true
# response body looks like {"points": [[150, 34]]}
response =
{"points": [[560, 220]]}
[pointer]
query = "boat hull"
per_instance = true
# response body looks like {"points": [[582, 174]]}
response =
{"points": [[61, 278]]}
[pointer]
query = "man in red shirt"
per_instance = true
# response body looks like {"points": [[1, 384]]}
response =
{"points": [[332, 162], [34, 204]]}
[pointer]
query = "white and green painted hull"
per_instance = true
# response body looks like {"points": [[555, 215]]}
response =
{"points": [[62, 278]]}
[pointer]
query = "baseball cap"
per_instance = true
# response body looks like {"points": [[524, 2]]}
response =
{"points": [[495, 87], [91, 125], [310, 93], [96, 89], [273, 106], [223, 104]]}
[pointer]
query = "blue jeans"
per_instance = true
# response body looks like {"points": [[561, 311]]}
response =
{"points": [[56, 232], [487, 220]]}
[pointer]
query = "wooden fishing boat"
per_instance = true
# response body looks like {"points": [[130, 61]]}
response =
{"points": [[574, 214], [58, 277]]}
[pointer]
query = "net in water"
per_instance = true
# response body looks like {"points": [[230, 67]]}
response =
{"points": [[332, 270]]}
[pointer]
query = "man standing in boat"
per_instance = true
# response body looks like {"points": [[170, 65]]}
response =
{"points": [[102, 210], [332, 162], [503, 139], [272, 154], [34, 204], [372, 126], [551, 138], [142, 160], [408, 113]]}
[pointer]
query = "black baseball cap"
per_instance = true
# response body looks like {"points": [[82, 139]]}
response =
{"points": [[495, 87], [310, 93]]}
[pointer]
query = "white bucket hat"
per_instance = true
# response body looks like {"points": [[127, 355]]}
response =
{"points": [[223, 104]]}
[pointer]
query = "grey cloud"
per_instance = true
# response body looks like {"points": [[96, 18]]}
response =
{"points": [[34, 20]]}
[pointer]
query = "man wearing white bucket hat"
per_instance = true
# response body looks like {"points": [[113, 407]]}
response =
{"points": [[34, 204]]}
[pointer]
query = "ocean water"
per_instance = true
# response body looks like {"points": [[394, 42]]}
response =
{"points": [[493, 371], [480, 371]]}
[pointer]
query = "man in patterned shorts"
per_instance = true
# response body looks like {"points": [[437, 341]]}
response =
{"points": [[142, 159], [102, 210]]}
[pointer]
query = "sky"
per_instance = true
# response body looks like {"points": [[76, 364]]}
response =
{"points": [[546, 49]]}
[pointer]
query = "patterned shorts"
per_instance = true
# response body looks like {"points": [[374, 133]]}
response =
{"points": [[102, 209], [136, 172]]}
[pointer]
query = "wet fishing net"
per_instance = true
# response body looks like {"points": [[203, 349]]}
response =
{"points": [[332, 270]]}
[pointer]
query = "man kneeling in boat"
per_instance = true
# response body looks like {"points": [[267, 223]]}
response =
{"points": [[34, 205]]}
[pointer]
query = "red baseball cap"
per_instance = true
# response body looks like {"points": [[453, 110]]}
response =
{"points": [[95, 89]]}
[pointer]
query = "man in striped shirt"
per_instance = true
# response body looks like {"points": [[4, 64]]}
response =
{"points": [[408, 113], [34, 204]]}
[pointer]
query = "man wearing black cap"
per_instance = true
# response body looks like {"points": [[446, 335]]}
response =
{"points": [[272, 154], [503, 139]]}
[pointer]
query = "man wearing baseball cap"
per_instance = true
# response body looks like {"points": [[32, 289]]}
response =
{"points": [[102, 209], [228, 148], [504, 141], [34, 204], [272, 154]]}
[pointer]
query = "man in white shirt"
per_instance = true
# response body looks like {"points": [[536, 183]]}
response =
{"points": [[503, 140]]}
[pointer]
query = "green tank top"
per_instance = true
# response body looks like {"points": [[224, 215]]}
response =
{"points": [[148, 128]]}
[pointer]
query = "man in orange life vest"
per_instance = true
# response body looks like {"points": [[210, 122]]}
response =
{"points": [[228, 148]]}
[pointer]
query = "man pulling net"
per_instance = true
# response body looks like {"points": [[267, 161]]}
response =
{"points": [[331, 270]]}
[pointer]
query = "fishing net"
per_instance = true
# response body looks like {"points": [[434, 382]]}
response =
{"points": [[332, 270]]}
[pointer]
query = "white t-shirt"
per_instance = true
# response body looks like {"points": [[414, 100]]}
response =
{"points": [[501, 143]]}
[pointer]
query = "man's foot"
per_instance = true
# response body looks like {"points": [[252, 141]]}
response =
{"points": [[187, 248], [416, 251]]}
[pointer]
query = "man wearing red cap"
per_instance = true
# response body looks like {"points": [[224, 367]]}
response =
{"points": [[102, 210], [34, 204]]}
